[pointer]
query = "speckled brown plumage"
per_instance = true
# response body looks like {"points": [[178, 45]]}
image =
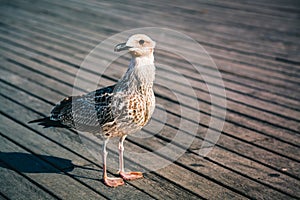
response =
{"points": [[118, 110], [86, 112], [105, 112]]}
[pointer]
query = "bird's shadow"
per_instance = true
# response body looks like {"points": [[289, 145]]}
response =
{"points": [[29, 163]]}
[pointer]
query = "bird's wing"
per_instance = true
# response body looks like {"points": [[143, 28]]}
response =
{"points": [[87, 112]]}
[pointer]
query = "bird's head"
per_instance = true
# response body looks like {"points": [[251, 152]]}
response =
{"points": [[137, 45]]}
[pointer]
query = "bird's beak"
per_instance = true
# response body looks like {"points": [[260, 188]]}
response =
{"points": [[121, 47]]}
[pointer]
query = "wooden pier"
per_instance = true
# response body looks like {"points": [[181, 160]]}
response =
{"points": [[256, 48]]}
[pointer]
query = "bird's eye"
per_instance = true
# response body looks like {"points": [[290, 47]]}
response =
{"points": [[141, 42]]}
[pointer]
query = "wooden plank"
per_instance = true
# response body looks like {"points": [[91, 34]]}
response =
{"points": [[169, 175], [242, 72], [66, 49], [146, 185], [257, 153], [10, 179], [276, 89], [62, 186], [246, 7], [272, 120], [236, 18], [296, 114], [29, 73], [30, 64], [52, 152], [235, 43], [262, 140], [286, 6], [3, 197], [272, 108], [152, 183], [135, 12], [253, 134], [119, 12], [275, 65], [261, 94], [138, 8]]}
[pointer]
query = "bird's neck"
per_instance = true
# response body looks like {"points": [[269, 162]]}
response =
{"points": [[140, 73]]}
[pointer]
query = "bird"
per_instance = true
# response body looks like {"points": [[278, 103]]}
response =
{"points": [[117, 110]]}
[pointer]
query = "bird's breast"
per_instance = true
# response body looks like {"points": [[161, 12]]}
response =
{"points": [[141, 107], [131, 111]]}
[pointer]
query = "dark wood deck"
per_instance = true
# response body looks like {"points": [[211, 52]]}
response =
{"points": [[256, 46]]}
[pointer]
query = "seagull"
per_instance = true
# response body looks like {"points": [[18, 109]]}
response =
{"points": [[117, 110]]}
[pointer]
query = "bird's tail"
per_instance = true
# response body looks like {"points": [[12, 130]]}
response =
{"points": [[47, 122]]}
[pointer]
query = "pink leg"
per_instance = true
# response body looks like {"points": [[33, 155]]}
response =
{"points": [[111, 182], [126, 175]]}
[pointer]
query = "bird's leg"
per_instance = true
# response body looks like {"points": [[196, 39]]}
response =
{"points": [[126, 175], [121, 150], [111, 182]]}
